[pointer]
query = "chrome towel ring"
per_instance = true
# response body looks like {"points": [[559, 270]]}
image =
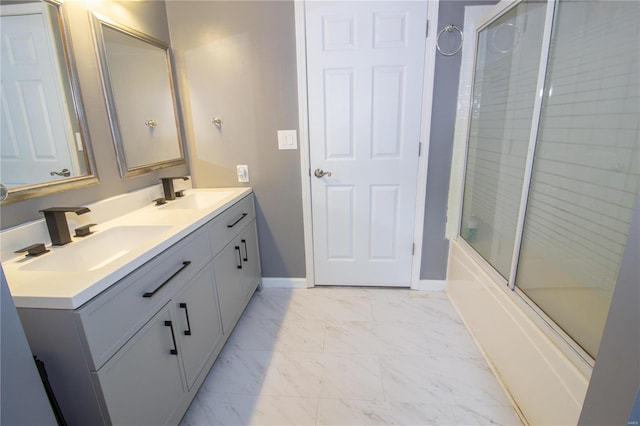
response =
{"points": [[448, 29]]}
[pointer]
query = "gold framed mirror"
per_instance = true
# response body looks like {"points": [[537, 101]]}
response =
{"points": [[139, 89], [44, 140]]}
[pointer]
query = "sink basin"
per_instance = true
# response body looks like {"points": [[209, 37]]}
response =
{"points": [[96, 251], [197, 200]]}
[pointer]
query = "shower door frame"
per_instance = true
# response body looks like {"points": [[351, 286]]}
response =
{"points": [[584, 361]]}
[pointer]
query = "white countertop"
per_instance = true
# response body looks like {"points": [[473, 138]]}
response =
{"points": [[71, 288]]}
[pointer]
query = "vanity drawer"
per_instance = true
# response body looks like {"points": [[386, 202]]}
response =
{"points": [[226, 226], [110, 319]]}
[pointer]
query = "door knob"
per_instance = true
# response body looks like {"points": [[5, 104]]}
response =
{"points": [[321, 173], [63, 172]]}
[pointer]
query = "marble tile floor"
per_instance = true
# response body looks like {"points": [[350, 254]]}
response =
{"points": [[350, 356]]}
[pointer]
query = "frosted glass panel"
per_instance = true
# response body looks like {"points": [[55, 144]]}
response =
{"points": [[586, 172], [503, 101]]}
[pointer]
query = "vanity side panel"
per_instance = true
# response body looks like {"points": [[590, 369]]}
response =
{"points": [[23, 400], [54, 339]]}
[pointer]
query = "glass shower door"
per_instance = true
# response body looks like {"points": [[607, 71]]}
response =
{"points": [[504, 91], [586, 169]]}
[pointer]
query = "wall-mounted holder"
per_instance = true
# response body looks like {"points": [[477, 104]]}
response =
{"points": [[448, 29], [217, 121]]}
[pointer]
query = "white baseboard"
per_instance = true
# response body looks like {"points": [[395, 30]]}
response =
{"points": [[432, 285], [279, 282]]}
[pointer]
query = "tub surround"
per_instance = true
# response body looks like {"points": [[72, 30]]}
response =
{"points": [[548, 386], [70, 286]]}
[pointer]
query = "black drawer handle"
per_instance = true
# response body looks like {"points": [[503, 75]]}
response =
{"points": [[246, 252], [239, 264], [231, 225], [173, 351], [187, 332], [184, 265]]}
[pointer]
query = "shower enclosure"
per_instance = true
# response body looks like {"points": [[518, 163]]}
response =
{"points": [[553, 156]]}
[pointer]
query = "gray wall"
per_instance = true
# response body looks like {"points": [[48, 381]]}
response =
{"points": [[23, 399], [237, 60], [616, 375], [435, 247], [148, 17]]}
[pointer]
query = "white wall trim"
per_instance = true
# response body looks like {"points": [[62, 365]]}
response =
{"points": [[547, 385], [303, 136], [425, 138], [280, 282], [432, 285]]}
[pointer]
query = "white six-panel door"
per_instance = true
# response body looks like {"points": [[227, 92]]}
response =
{"points": [[364, 70], [36, 133]]}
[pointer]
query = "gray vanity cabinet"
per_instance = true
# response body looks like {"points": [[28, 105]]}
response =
{"points": [[250, 273], [138, 352], [177, 341], [229, 289], [237, 270], [197, 327], [142, 383]]}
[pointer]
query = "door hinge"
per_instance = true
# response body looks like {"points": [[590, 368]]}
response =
{"points": [[426, 32], [419, 149], [413, 249], [309, 172]]}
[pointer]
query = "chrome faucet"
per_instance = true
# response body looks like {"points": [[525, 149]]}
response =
{"points": [[57, 223], [167, 186]]}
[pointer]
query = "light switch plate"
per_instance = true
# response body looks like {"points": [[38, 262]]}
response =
{"points": [[287, 139], [243, 173]]}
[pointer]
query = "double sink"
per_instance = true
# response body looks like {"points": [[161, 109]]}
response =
{"points": [[70, 275], [104, 247]]}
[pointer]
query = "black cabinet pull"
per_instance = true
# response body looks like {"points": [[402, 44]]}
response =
{"points": [[187, 332], [231, 225], [173, 351], [184, 265], [239, 265], [246, 252]]}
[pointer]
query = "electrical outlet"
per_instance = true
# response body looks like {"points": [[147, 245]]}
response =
{"points": [[243, 173]]}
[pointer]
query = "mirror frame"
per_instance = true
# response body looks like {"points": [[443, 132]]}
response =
{"points": [[91, 178], [97, 21]]}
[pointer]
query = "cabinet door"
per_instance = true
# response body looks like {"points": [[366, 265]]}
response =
{"points": [[142, 384], [198, 326], [250, 260], [227, 267]]}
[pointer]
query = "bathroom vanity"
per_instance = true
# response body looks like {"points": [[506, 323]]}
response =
{"points": [[134, 342]]}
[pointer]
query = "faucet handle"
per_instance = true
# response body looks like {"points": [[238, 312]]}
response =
{"points": [[83, 231], [34, 250]]}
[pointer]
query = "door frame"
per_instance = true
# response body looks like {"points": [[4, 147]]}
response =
{"points": [[425, 131]]}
